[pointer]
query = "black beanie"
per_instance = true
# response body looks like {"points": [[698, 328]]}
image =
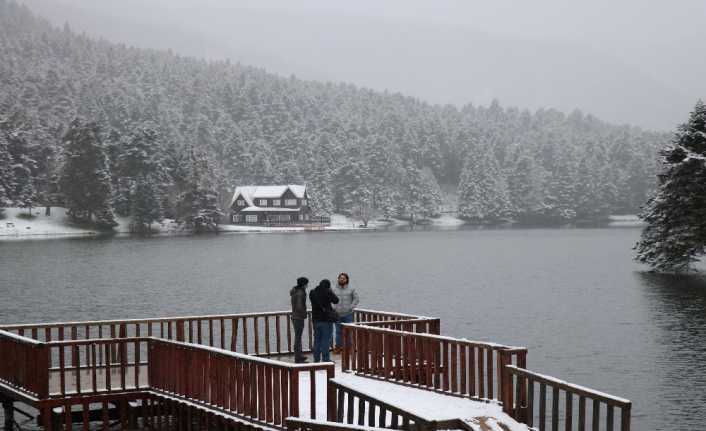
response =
{"points": [[302, 281]]}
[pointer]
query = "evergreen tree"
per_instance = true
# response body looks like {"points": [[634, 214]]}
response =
{"points": [[146, 204], [85, 178], [198, 203], [675, 235], [482, 192], [6, 178], [319, 189]]}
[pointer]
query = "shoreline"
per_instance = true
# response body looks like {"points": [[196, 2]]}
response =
{"points": [[15, 226]]}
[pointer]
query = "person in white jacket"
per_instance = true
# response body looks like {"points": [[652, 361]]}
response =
{"points": [[347, 302]]}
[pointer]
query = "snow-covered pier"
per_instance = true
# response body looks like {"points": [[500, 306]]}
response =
{"points": [[236, 372]]}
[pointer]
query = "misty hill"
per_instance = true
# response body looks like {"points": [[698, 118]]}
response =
{"points": [[360, 151], [438, 63]]}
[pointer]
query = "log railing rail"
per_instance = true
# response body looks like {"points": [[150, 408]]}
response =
{"points": [[525, 404], [443, 364]]}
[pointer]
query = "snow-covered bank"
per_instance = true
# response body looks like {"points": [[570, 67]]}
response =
{"points": [[17, 226]]}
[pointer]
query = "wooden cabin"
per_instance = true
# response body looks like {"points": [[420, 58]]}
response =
{"points": [[271, 205]]}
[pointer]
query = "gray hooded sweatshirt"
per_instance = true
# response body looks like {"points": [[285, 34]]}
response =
{"points": [[347, 299]]}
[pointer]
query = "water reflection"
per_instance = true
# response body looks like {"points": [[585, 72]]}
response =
{"points": [[677, 307]]}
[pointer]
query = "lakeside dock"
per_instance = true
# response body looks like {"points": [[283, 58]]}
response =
{"points": [[236, 372]]}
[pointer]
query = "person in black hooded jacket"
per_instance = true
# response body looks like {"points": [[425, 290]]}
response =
{"points": [[298, 296], [323, 316]]}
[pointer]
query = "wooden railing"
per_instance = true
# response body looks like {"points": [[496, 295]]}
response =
{"points": [[526, 401], [24, 365], [444, 364], [97, 366], [296, 424], [356, 408], [163, 413], [259, 389], [265, 333], [422, 325]]}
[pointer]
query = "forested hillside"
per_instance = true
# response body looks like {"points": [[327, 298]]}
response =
{"points": [[173, 136]]}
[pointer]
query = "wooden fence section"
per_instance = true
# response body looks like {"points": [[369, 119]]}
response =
{"points": [[444, 364], [259, 389], [24, 365], [260, 334], [296, 424], [267, 333], [161, 413], [87, 367], [422, 325], [526, 400], [353, 407]]}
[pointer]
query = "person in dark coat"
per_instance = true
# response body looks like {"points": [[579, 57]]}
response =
{"points": [[298, 296], [323, 316]]}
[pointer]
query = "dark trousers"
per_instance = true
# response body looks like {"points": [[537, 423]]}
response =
{"points": [[323, 334], [298, 325]]}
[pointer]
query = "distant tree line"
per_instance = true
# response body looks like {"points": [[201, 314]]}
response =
{"points": [[168, 136]]}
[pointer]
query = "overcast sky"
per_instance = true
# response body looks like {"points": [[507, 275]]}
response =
{"points": [[627, 61]]}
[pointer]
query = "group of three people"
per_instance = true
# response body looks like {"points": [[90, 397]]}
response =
{"points": [[329, 307]]}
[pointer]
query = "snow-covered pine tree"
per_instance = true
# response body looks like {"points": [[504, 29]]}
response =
{"points": [[482, 192], [85, 178], [6, 177], [675, 235], [525, 178], [24, 194], [319, 189], [198, 203], [138, 155], [146, 204]]}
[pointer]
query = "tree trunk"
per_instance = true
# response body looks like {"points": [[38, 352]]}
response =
{"points": [[47, 210]]}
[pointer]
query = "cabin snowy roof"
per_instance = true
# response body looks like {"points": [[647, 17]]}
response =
{"points": [[250, 193], [270, 209]]}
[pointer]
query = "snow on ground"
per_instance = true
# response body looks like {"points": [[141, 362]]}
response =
{"points": [[625, 220], [57, 224], [15, 226], [447, 220]]}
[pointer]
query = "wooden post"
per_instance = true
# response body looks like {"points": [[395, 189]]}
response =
{"points": [[9, 412], [505, 382], [331, 413]]}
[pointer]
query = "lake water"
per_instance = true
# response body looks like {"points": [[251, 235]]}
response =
{"points": [[574, 297]]}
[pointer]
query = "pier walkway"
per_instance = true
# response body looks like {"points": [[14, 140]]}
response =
{"points": [[233, 372]]}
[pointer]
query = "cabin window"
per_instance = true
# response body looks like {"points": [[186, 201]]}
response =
{"points": [[237, 218], [240, 202], [304, 202], [263, 202], [284, 217], [301, 217], [306, 217], [251, 218], [276, 202], [290, 202]]}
